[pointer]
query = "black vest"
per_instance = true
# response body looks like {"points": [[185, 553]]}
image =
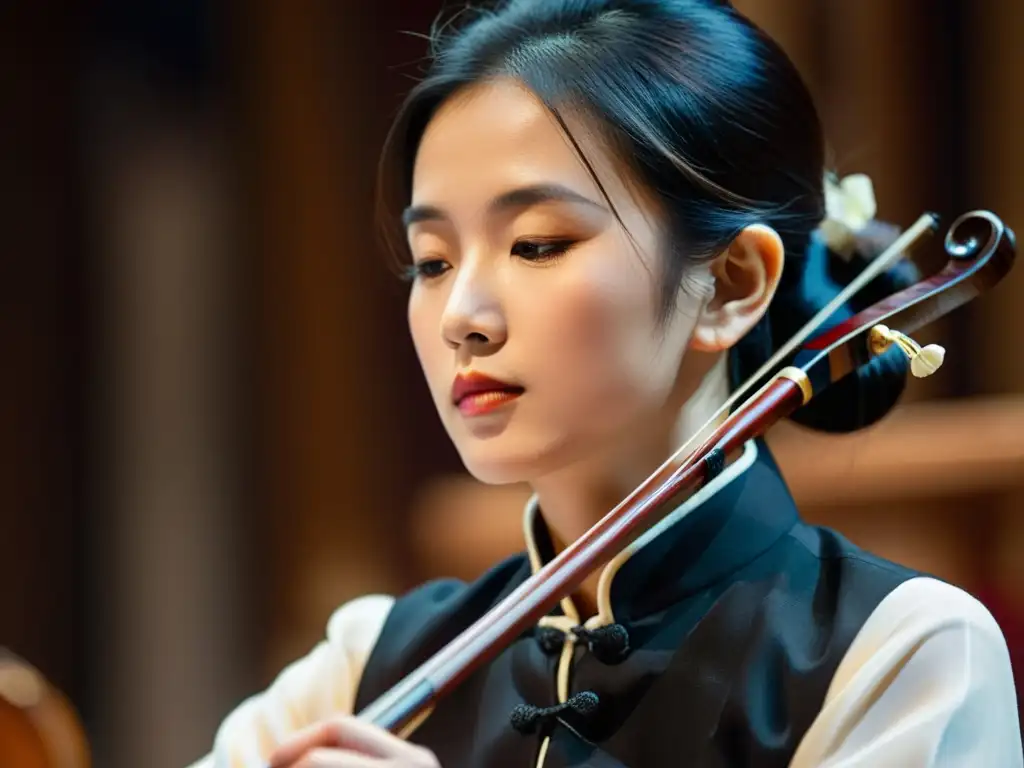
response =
{"points": [[736, 617]]}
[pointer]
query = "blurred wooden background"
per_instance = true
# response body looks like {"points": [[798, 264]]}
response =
{"points": [[214, 429]]}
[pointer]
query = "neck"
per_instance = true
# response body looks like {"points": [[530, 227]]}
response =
{"points": [[575, 497]]}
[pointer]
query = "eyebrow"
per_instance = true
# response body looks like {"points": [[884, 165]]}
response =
{"points": [[522, 197]]}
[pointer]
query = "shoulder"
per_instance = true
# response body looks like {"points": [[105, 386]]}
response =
{"points": [[828, 546], [357, 623], [453, 600], [320, 684], [933, 628], [924, 607], [856, 580], [927, 681], [427, 618]]}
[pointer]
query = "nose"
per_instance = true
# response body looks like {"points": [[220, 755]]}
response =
{"points": [[473, 321]]}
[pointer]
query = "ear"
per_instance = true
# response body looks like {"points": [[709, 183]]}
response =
{"points": [[746, 277]]}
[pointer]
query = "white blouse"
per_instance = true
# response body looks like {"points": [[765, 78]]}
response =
{"points": [[926, 683]]}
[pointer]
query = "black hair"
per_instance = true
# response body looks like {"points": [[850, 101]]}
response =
{"points": [[711, 116]]}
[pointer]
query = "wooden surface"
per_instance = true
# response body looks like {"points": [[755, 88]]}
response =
{"points": [[936, 450], [39, 728]]}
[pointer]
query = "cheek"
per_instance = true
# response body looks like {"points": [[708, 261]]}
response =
{"points": [[424, 318], [596, 339]]}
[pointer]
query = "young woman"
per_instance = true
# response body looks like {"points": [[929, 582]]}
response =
{"points": [[611, 217]]}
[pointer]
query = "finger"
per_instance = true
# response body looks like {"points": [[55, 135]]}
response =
{"points": [[335, 758], [286, 755], [345, 732]]}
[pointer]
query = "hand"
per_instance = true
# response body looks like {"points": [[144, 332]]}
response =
{"points": [[345, 742]]}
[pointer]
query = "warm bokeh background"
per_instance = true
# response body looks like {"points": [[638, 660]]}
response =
{"points": [[213, 429]]}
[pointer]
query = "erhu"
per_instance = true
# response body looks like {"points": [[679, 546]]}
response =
{"points": [[980, 250]]}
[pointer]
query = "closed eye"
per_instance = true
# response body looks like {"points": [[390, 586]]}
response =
{"points": [[427, 269], [541, 250], [533, 251]]}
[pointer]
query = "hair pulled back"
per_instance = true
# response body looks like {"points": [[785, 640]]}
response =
{"points": [[710, 116]]}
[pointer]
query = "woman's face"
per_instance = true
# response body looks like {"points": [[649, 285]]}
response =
{"points": [[525, 276]]}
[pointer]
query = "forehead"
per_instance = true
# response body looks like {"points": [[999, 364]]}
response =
{"points": [[496, 135]]}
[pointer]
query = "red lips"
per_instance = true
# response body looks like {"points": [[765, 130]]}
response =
{"points": [[475, 393]]}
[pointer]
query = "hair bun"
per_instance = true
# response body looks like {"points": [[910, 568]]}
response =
{"points": [[815, 279]]}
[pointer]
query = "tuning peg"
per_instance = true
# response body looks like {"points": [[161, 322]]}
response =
{"points": [[923, 361]]}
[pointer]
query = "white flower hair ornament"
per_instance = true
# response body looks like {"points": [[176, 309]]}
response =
{"points": [[849, 208]]}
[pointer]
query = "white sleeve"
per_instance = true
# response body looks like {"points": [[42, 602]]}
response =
{"points": [[926, 684], [320, 684]]}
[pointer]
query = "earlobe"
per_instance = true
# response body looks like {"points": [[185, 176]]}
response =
{"points": [[746, 277], [705, 338]]}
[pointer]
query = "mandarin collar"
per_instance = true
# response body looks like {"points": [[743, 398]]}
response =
{"points": [[725, 525]]}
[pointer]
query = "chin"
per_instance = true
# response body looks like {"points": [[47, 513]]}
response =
{"points": [[510, 459], [494, 464], [496, 472]]}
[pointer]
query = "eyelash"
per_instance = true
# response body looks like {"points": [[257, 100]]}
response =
{"points": [[429, 269]]}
